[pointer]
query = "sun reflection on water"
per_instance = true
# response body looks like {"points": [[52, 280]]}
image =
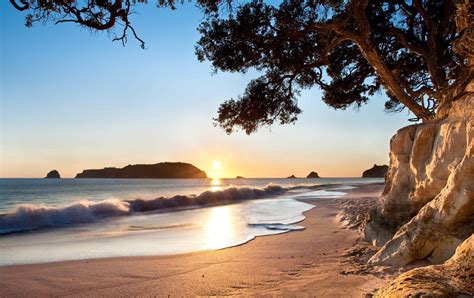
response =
{"points": [[216, 184], [219, 228]]}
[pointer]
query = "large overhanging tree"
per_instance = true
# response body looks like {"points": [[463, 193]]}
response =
{"points": [[350, 49]]}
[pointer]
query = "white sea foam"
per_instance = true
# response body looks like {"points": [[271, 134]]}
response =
{"points": [[29, 217], [133, 232]]}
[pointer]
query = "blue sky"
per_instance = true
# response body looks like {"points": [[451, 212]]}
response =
{"points": [[72, 99]]}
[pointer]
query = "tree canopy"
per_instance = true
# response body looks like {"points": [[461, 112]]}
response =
{"points": [[351, 49]]}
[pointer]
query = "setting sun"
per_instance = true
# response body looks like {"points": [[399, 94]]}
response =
{"points": [[217, 170], [216, 165]]}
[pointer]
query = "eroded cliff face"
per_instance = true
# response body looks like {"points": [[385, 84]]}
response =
{"points": [[427, 207]]}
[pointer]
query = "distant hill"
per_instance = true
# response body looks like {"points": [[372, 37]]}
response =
{"points": [[53, 174], [159, 170], [313, 175], [375, 172]]}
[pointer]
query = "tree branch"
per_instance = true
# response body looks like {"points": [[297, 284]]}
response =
{"points": [[437, 75], [23, 7], [368, 50]]}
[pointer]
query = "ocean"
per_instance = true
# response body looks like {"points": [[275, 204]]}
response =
{"points": [[49, 220]]}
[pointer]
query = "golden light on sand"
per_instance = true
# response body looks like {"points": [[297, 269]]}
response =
{"points": [[219, 228]]}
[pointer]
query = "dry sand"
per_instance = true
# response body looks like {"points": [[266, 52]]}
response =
{"points": [[326, 259]]}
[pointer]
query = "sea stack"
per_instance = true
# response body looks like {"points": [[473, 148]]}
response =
{"points": [[313, 175], [375, 172], [53, 174], [291, 177]]}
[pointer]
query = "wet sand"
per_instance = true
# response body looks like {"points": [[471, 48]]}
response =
{"points": [[325, 259]]}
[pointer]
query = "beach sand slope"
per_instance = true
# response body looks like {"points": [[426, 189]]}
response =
{"points": [[325, 259]]}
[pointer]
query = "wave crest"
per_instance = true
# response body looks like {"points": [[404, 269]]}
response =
{"points": [[30, 217]]}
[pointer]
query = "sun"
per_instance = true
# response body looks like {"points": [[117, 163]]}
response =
{"points": [[216, 165], [216, 171]]}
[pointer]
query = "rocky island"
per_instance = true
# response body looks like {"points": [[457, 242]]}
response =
{"points": [[53, 174], [144, 171], [313, 175], [375, 172]]}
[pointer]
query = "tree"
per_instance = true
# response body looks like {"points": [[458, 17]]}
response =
{"points": [[351, 49]]}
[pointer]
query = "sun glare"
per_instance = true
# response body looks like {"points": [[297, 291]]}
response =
{"points": [[216, 170], [219, 228], [216, 165]]}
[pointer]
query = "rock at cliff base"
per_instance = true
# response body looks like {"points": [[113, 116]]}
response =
{"points": [[53, 174], [375, 172], [455, 278], [312, 175]]}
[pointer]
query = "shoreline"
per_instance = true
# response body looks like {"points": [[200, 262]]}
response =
{"points": [[324, 258]]}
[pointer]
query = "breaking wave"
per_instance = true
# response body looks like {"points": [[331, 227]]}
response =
{"points": [[27, 217]]}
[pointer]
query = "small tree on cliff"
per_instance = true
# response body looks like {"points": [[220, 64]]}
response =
{"points": [[350, 49]]}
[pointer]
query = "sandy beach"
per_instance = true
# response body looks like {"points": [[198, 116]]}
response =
{"points": [[325, 259]]}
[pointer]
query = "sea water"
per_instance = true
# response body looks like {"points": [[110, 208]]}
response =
{"points": [[48, 220]]}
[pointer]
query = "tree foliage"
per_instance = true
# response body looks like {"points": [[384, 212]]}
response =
{"points": [[351, 49]]}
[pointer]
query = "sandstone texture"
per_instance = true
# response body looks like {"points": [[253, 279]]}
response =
{"points": [[455, 278], [427, 206]]}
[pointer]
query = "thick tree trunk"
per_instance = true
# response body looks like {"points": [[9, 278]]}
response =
{"points": [[389, 80], [370, 53]]}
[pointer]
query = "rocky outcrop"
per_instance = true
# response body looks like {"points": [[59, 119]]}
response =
{"points": [[239, 177], [455, 278], [427, 207], [291, 177], [53, 174], [375, 172], [313, 175], [159, 170]]}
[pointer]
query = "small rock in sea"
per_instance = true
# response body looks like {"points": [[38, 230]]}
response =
{"points": [[312, 175], [53, 174]]}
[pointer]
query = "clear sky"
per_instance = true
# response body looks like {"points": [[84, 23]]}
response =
{"points": [[72, 99]]}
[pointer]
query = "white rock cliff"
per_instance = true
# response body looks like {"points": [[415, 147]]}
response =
{"points": [[427, 207]]}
